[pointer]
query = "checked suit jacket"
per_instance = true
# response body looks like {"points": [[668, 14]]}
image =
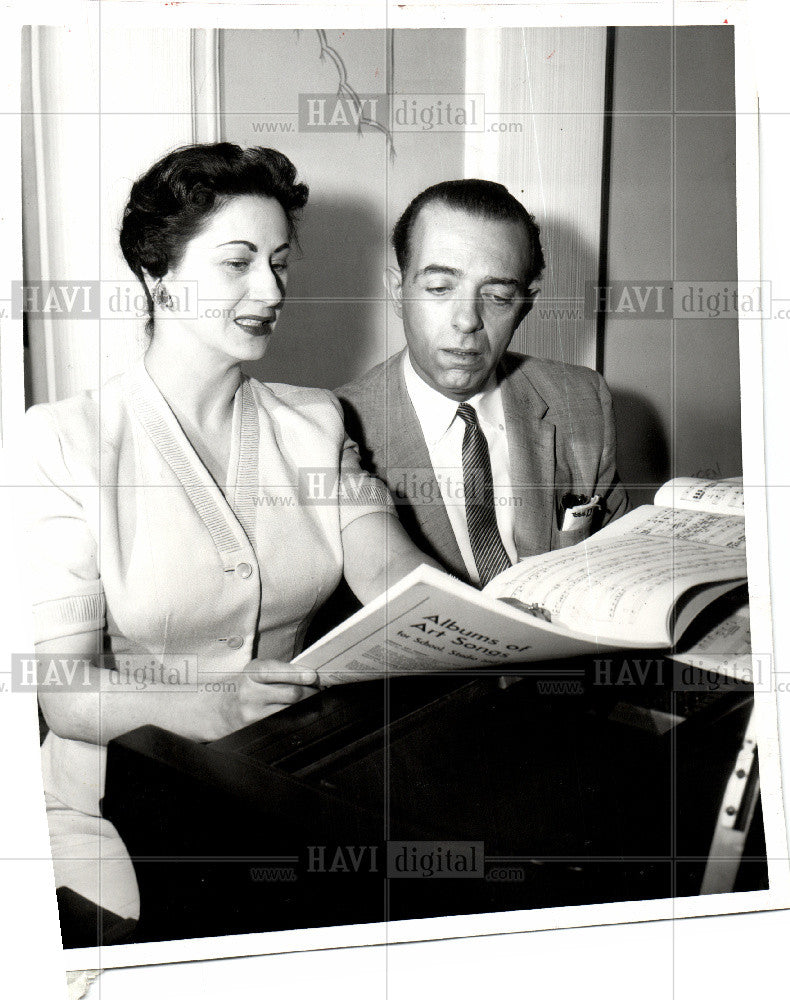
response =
{"points": [[561, 439]]}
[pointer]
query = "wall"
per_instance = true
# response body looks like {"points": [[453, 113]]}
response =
{"points": [[336, 323], [545, 97], [86, 135], [672, 217]]}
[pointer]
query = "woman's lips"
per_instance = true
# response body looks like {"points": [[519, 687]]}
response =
{"points": [[256, 325]]}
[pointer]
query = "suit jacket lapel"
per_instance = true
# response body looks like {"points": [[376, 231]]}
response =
{"points": [[530, 439], [409, 464]]}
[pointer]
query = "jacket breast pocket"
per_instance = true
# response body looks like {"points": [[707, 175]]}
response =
{"points": [[571, 536], [578, 530]]}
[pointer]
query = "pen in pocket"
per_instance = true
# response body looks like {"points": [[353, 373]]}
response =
{"points": [[576, 507]]}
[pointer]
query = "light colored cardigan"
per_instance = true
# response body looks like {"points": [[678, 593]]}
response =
{"points": [[129, 533]]}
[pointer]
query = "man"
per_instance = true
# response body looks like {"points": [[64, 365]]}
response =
{"points": [[491, 456]]}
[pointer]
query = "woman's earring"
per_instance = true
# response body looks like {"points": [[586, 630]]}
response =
{"points": [[162, 297]]}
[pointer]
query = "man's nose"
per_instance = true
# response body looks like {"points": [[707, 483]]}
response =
{"points": [[467, 317], [266, 286]]}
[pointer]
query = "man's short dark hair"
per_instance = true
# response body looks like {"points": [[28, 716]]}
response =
{"points": [[477, 197]]}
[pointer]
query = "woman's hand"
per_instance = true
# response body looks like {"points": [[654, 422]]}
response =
{"points": [[223, 703], [262, 688]]}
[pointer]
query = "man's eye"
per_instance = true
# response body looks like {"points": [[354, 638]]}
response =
{"points": [[499, 300], [436, 289]]}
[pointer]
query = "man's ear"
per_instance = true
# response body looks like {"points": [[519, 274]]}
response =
{"points": [[527, 303], [393, 282]]}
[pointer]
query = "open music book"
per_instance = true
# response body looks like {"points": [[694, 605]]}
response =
{"points": [[637, 583]]}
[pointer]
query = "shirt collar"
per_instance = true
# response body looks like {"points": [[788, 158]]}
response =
{"points": [[436, 412]]}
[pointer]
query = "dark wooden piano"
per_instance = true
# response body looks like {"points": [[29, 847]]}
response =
{"points": [[555, 786]]}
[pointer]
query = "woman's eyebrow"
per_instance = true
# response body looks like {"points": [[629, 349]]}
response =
{"points": [[245, 243], [252, 246]]}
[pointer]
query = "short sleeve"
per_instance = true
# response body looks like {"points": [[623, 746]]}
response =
{"points": [[59, 547], [360, 493]]}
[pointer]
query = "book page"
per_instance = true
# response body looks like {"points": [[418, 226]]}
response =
{"points": [[625, 580], [431, 622], [703, 528], [725, 648], [717, 496]]}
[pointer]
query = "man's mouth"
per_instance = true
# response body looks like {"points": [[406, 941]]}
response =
{"points": [[254, 324], [464, 356]]}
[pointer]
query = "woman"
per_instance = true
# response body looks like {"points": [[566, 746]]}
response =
{"points": [[169, 523]]}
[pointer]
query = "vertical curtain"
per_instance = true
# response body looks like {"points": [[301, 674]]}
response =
{"points": [[101, 106], [11, 381], [543, 137]]}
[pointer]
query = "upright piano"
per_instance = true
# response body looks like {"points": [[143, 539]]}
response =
{"points": [[579, 781]]}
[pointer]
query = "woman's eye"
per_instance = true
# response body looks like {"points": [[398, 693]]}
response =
{"points": [[280, 267], [237, 265]]}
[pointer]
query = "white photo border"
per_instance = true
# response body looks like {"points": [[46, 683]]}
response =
{"points": [[252, 15]]}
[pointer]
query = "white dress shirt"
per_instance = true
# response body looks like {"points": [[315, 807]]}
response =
{"points": [[443, 431]]}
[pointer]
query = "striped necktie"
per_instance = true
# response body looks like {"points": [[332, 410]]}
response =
{"points": [[487, 548]]}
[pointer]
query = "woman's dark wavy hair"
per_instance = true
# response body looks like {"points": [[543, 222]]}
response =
{"points": [[169, 204]]}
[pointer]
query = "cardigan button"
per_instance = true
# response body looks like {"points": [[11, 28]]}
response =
{"points": [[244, 570], [235, 642]]}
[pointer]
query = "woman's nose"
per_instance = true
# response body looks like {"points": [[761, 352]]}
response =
{"points": [[266, 286]]}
